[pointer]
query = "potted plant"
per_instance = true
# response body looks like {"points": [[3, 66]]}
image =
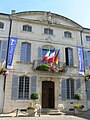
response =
{"points": [[77, 96], [78, 108], [32, 109]]}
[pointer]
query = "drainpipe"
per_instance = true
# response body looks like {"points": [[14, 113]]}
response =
{"points": [[10, 26]]}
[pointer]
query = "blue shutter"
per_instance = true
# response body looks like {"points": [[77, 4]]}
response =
{"points": [[15, 85], [25, 52], [88, 59], [85, 59], [3, 49], [33, 84], [70, 57], [63, 89], [39, 53], [88, 90], [78, 85]]}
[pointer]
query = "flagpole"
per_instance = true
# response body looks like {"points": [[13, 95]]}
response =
{"points": [[7, 51]]}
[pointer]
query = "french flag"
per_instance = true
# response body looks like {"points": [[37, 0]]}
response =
{"points": [[51, 57], [46, 56]]}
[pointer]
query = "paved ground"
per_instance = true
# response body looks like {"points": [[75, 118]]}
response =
{"points": [[46, 117]]}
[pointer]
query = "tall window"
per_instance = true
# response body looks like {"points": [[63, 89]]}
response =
{"points": [[70, 89], [88, 38], [23, 88], [67, 34], [69, 56], [27, 28], [48, 31], [25, 52], [1, 25], [88, 58]]}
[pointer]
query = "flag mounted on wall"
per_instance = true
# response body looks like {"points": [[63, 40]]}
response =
{"points": [[46, 56], [12, 45], [56, 57], [51, 57]]}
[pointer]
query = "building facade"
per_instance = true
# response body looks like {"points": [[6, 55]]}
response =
{"points": [[38, 31]]}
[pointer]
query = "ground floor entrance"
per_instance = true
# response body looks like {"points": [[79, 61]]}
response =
{"points": [[48, 94]]}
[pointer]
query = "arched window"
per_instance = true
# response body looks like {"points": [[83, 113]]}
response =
{"points": [[48, 31], [23, 92], [25, 52], [67, 34], [1, 25], [27, 28], [69, 56]]}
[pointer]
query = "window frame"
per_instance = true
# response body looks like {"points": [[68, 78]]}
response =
{"points": [[70, 89], [24, 88], [67, 34], [48, 31], [1, 25], [27, 28], [88, 38]]}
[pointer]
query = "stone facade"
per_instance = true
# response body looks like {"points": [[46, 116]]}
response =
{"points": [[59, 24]]}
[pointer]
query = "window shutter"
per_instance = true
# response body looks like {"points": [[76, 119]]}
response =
{"points": [[15, 84], [63, 89], [88, 90], [85, 59], [3, 49], [88, 58], [78, 85], [28, 53], [40, 53], [70, 57], [23, 52], [33, 84]]}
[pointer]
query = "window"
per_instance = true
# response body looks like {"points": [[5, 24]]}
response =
{"points": [[70, 88], [27, 28], [25, 52], [69, 56], [67, 34], [23, 88], [1, 25], [88, 38], [88, 58], [48, 31]]}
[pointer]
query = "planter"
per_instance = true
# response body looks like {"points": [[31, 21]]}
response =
{"points": [[32, 112]]}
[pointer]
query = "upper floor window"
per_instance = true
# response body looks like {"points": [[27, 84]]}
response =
{"points": [[1, 25], [25, 52], [27, 28], [48, 31], [88, 38], [67, 34], [69, 56]]}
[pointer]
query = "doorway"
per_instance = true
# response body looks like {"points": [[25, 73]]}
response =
{"points": [[47, 94]]}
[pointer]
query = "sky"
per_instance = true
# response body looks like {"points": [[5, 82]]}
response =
{"points": [[76, 10]]}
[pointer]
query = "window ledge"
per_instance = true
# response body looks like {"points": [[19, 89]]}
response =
{"points": [[23, 62]]}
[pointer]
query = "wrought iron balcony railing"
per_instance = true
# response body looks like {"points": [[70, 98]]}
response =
{"points": [[52, 67]]}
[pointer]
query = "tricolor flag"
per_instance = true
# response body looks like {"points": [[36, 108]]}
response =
{"points": [[46, 56], [51, 57], [56, 57]]}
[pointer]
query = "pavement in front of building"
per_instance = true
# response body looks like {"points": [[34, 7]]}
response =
{"points": [[82, 116]]}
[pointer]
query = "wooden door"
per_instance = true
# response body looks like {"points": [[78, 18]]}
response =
{"points": [[47, 94]]}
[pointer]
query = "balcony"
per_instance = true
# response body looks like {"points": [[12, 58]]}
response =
{"points": [[52, 67]]}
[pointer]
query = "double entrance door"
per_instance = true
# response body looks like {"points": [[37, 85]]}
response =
{"points": [[48, 94]]}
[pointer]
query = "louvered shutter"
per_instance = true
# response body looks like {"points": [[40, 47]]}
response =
{"points": [[28, 53], [88, 59], [70, 57], [85, 59], [39, 53], [3, 49], [63, 89], [88, 90], [33, 84], [78, 85], [15, 85]]}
